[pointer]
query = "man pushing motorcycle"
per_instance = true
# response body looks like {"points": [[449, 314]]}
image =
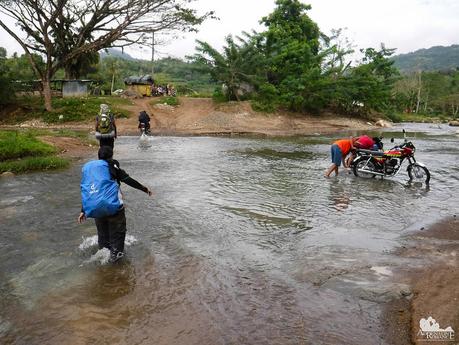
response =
{"points": [[340, 149]]}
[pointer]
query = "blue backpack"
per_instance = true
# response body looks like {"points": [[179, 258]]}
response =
{"points": [[99, 192]]}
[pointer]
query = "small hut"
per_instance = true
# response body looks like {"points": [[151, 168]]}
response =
{"points": [[75, 88], [141, 85]]}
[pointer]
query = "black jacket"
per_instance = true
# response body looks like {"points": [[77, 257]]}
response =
{"points": [[120, 175]]}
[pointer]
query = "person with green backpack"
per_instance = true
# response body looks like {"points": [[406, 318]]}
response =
{"points": [[106, 127]]}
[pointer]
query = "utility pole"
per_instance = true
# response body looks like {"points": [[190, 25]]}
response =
{"points": [[153, 55]]}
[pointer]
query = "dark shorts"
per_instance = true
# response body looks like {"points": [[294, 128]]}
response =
{"points": [[336, 155], [107, 142], [111, 231]]}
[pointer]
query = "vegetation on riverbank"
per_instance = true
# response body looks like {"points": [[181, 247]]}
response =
{"points": [[66, 109], [22, 151], [290, 65], [168, 100], [422, 118]]}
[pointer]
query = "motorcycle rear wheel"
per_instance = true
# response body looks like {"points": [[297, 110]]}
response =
{"points": [[418, 173], [360, 164]]}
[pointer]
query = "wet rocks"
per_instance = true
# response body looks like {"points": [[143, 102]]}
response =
{"points": [[454, 123]]}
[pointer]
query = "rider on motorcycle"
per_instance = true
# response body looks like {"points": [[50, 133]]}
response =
{"points": [[144, 121]]}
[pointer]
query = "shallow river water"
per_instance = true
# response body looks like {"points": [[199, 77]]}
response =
{"points": [[244, 242]]}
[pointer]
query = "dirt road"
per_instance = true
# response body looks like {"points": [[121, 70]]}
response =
{"points": [[201, 116]]}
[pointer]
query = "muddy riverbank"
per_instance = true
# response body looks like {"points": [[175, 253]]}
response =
{"points": [[434, 283]]}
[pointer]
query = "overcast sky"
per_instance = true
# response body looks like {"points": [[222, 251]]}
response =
{"points": [[407, 25]]}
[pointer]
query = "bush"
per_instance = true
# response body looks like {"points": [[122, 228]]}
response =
{"points": [[33, 164], [169, 100], [394, 117], [267, 99], [73, 109], [218, 96]]}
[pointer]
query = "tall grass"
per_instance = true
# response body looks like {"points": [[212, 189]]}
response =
{"points": [[33, 164], [22, 152], [70, 109], [14, 144]]}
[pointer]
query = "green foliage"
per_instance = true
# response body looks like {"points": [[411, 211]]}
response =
{"points": [[219, 96], [234, 67], [432, 59], [187, 77], [369, 85], [14, 144], [74, 109], [294, 66], [394, 117], [169, 100], [21, 151], [82, 65], [29, 164], [267, 99], [5, 81], [428, 93]]}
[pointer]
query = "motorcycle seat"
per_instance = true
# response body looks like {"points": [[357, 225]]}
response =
{"points": [[370, 152]]}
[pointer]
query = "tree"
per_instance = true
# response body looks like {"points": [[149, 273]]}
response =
{"points": [[235, 66], [371, 83], [292, 50], [62, 31]]}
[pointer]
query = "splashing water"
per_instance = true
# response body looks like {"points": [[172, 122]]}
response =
{"points": [[89, 242], [144, 142]]}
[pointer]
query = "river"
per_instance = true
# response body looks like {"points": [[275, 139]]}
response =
{"points": [[244, 242]]}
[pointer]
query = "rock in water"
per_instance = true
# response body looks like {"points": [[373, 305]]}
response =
{"points": [[7, 174], [383, 123]]}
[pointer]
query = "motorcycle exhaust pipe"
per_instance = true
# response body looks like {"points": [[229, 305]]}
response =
{"points": [[371, 172]]}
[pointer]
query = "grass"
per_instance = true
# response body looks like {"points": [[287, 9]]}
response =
{"points": [[413, 117], [67, 109], [14, 144], [22, 151], [29, 164], [67, 133], [169, 100]]}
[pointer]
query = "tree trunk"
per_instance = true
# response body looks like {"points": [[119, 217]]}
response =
{"points": [[47, 93], [419, 94], [113, 82]]}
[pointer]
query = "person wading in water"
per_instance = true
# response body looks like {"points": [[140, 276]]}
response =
{"points": [[101, 200]]}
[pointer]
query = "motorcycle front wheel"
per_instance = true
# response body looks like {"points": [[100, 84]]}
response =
{"points": [[364, 164], [418, 173]]}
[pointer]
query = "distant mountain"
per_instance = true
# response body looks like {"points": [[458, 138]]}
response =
{"points": [[112, 52], [437, 58]]}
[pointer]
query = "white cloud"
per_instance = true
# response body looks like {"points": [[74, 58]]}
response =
{"points": [[407, 25]]}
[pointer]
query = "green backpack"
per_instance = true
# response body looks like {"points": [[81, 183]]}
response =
{"points": [[105, 124]]}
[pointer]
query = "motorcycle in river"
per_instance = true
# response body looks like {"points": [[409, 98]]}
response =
{"points": [[369, 163]]}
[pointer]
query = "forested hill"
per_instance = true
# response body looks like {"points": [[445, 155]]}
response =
{"points": [[437, 58]]}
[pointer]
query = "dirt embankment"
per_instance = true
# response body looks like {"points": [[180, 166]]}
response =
{"points": [[201, 116], [435, 285], [69, 147]]}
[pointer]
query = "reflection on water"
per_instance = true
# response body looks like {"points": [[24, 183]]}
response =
{"points": [[244, 242]]}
